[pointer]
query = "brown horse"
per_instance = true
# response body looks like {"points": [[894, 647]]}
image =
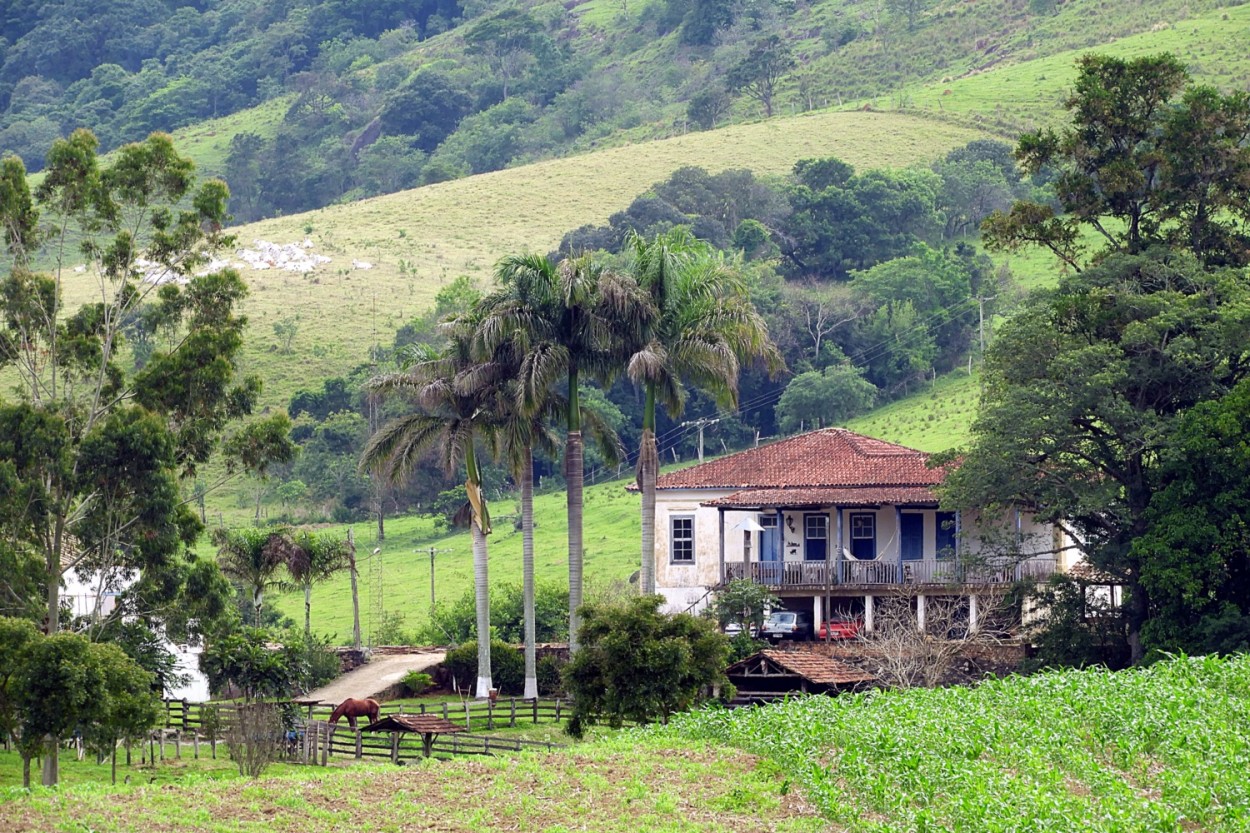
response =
{"points": [[351, 708]]}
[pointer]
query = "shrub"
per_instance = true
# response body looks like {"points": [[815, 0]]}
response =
{"points": [[416, 682], [507, 666], [550, 670]]}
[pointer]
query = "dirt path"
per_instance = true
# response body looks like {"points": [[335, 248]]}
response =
{"points": [[376, 676]]}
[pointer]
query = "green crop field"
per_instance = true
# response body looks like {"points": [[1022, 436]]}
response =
{"points": [[1164, 748]]}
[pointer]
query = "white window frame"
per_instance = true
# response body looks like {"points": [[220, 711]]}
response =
{"points": [[674, 539]]}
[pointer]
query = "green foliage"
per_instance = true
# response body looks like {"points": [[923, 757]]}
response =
{"points": [[760, 71], [507, 667], [744, 602], [824, 397], [1048, 750], [416, 683], [1146, 161], [550, 672], [250, 660], [641, 665]]}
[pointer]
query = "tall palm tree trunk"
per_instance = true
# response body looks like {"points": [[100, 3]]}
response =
{"points": [[527, 571], [258, 602], [479, 524], [307, 608], [648, 468], [573, 475], [481, 589]]}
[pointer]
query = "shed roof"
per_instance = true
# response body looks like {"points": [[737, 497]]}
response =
{"points": [[422, 723], [831, 457], [810, 666]]}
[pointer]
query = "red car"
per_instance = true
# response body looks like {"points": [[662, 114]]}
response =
{"points": [[839, 629]]}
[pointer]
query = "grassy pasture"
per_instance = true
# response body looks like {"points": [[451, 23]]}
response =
{"points": [[611, 533], [1028, 94], [618, 785]]}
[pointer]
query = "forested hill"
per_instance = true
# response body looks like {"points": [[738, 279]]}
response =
{"points": [[341, 99]]}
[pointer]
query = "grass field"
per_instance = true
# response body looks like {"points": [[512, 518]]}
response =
{"points": [[1159, 749], [611, 533]]}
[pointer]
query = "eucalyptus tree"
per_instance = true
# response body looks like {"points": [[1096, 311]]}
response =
{"points": [[451, 415], [700, 326], [567, 321], [253, 557]]}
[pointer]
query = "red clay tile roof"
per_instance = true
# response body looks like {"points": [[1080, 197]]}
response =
{"points": [[812, 667], [831, 457], [846, 496]]}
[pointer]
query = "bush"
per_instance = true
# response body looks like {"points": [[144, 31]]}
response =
{"points": [[507, 671], [255, 736], [416, 682], [638, 664], [741, 646], [550, 671]]}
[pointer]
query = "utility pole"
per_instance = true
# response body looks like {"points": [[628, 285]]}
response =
{"points": [[432, 550], [981, 315], [700, 424]]}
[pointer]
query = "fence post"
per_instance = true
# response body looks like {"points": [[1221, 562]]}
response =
{"points": [[486, 745], [325, 750], [178, 745], [185, 709], [444, 711], [360, 751], [490, 714], [195, 744], [557, 710], [395, 747], [513, 721], [535, 702]]}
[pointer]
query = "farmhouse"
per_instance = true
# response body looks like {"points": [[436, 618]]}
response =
{"points": [[832, 521]]}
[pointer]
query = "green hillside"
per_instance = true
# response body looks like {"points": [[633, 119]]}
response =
{"points": [[402, 567]]}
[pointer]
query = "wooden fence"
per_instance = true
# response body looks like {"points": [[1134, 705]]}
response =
{"points": [[320, 741], [473, 715]]}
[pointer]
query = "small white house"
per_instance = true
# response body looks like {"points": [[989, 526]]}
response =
{"points": [[834, 516]]}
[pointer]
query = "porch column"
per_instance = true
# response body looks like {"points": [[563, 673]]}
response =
{"points": [[720, 528], [837, 520], [817, 608], [920, 612], [959, 528], [869, 611], [973, 614], [898, 536]]}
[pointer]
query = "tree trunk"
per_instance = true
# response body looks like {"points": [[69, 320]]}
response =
{"points": [[258, 602], [51, 765], [481, 591], [527, 571], [573, 473], [648, 467], [307, 608], [25, 771], [351, 550]]}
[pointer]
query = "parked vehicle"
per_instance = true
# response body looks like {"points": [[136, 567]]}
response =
{"points": [[734, 628], [786, 624], [847, 628]]}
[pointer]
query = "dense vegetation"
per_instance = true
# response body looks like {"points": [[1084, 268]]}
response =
{"points": [[371, 98], [1153, 749]]}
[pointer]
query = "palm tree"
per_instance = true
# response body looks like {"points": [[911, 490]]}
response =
{"points": [[564, 321], [311, 557], [451, 416], [253, 557], [702, 328]]}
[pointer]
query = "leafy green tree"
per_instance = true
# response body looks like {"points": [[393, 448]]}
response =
{"points": [[1083, 391], [1146, 160], [641, 665], [16, 635], [248, 659], [454, 411], [825, 397], [744, 602], [506, 40], [428, 108], [129, 707], [564, 321], [1195, 553], [706, 107], [700, 325], [761, 70]]}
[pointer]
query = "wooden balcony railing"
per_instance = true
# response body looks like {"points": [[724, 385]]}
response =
{"points": [[871, 573]]}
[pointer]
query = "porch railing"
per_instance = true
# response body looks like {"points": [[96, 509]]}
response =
{"points": [[869, 573]]}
